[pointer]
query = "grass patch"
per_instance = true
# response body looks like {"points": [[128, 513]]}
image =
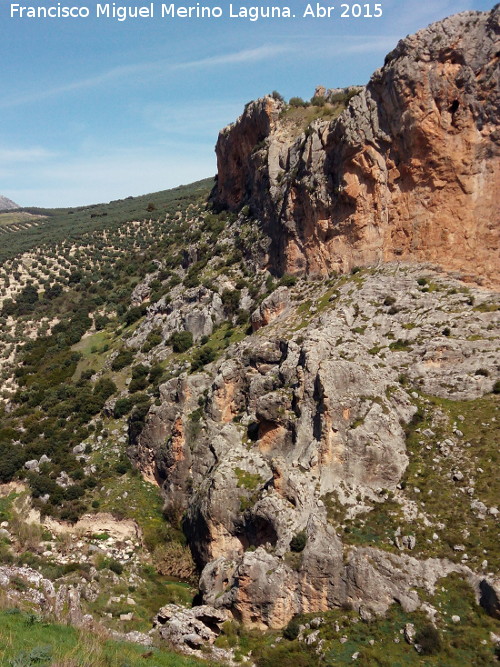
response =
{"points": [[27, 640], [428, 478], [248, 480]]}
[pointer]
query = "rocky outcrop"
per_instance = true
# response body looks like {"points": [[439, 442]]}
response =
{"points": [[197, 310], [409, 171], [272, 307], [25, 586], [312, 409], [191, 627]]}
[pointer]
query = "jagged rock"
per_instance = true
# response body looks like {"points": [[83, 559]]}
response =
{"points": [[271, 308], [197, 310], [285, 423], [189, 629], [409, 633], [64, 604], [142, 291], [410, 170], [134, 637], [126, 617], [409, 541]]}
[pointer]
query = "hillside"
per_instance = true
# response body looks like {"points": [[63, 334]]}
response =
{"points": [[236, 422]]}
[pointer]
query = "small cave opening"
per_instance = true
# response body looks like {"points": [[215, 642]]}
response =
{"points": [[197, 599], [489, 599], [253, 431], [256, 532], [454, 106], [211, 623]]}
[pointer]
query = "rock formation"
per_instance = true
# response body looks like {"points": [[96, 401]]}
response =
{"points": [[7, 204], [262, 446], [270, 453], [409, 170]]}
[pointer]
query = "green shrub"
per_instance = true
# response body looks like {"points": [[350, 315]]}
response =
{"points": [[104, 388], [298, 542], [181, 341], [134, 314], [230, 300], [111, 564], [291, 631], [297, 102], [155, 373], [122, 407], [318, 101], [100, 321], [122, 359], [153, 339], [288, 280], [201, 357], [192, 279], [429, 640]]}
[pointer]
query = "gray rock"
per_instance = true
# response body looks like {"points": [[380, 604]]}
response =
{"points": [[274, 306], [409, 633], [189, 629], [409, 541]]}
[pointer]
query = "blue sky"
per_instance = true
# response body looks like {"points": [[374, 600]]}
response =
{"points": [[96, 109]]}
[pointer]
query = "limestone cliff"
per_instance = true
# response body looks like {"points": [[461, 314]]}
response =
{"points": [[329, 456], [302, 429], [409, 170]]}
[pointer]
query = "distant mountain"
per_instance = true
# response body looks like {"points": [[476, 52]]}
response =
{"points": [[7, 204]]}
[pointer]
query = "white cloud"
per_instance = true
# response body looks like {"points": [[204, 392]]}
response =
{"points": [[90, 82], [15, 155], [238, 57], [161, 68]]}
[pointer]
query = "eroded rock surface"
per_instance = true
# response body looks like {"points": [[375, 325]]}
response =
{"points": [[314, 406], [410, 170]]}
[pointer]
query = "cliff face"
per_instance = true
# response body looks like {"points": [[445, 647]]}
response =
{"points": [[329, 457], [409, 170], [302, 430]]}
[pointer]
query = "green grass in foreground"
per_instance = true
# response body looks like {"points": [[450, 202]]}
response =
{"points": [[27, 640]]}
